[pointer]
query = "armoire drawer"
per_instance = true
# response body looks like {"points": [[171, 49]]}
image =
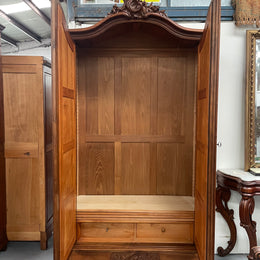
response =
{"points": [[106, 232], [166, 233]]}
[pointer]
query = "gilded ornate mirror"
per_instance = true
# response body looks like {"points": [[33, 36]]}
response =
{"points": [[252, 147]]}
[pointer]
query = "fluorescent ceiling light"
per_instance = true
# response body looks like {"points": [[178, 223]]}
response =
{"points": [[21, 7]]}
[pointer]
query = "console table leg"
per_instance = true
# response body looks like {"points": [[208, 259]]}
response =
{"points": [[246, 209], [222, 198]]}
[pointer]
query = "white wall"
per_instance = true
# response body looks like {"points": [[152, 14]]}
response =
{"points": [[231, 124], [231, 121]]}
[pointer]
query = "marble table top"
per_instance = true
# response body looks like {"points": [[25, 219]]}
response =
{"points": [[239, 173]]}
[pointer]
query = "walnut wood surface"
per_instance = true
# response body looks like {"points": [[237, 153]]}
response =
{"points": [[162, 34], [134, 256], [136, 144], [102, 251], [64, 132], [3, 237], [222, 198], [206, 128], [25, 82], [256, 252], [247, 189]]}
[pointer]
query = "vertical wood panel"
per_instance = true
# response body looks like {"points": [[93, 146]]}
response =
{"points": [[81, 121], [92, 95], [106, 71], [24, 126], [99, 169], [118, 168], [208, 59], [135, 96], [23, 185], [167, 169], [200, 234], [100, 95], [118, 89], [152, 96], [135, 168], [171, 93], [21, 118], [64, 130]]}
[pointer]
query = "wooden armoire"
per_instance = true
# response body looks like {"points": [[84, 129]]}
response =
{"points": [[3, 237], [135, 136], [27, 92]]}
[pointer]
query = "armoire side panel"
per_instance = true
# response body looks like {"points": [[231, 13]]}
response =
{"points": [[48, 112], [206, 134], [24, 146], [64, 130]]}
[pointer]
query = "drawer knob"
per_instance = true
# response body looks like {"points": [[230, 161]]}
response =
{"points": [[163, 229], [107, 229], [27, 153]]}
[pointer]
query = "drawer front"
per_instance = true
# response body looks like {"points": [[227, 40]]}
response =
{"points": [[105, 232], [165, 233]]}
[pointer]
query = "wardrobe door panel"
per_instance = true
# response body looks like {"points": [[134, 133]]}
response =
{"points": [[23, 109], [208, 58], [64, 130]]}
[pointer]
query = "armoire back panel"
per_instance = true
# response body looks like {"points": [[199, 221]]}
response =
{"points": [[136, 122]]}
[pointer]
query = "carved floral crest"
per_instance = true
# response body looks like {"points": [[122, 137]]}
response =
{"points": [[135, 256], [137, 9]]}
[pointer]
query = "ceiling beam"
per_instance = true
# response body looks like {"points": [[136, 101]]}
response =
{"points": [[8, 40], [18, 25], [1, 27], [38, 11]]}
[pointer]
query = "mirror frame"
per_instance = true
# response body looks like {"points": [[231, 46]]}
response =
{"points": [[252, 36]]}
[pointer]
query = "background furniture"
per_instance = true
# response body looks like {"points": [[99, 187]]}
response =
{"points": [[248, 186], [28, 147], [130, 192], [3, 238]]}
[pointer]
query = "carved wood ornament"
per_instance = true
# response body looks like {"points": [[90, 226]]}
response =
{"points": [[247, 189], [256, 252], [222, 198], [137, 9], [134, 256]]}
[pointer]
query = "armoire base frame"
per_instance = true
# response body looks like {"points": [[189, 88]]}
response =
{"points": [[133, 252]]}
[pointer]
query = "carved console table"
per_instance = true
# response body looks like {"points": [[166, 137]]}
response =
{"points": [[248, 186]]}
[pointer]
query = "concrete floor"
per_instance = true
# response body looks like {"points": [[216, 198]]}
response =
{"points": [[31, 251]]}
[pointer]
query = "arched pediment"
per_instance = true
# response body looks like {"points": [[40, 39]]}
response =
{"points": [[137, 16]]}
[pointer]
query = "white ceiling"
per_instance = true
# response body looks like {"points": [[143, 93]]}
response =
{"points": [[28, 19]]}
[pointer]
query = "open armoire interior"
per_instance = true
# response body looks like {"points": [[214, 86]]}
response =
{"points": [[135, 136]]}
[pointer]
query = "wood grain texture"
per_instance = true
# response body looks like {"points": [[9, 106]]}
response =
{"points": [[64, 132], [135, 109], [136, 203], [205, 192], [104, 251], [24, 101], [99, 172], [135, 166], [165, 233], [144, 109], [103, 232]]}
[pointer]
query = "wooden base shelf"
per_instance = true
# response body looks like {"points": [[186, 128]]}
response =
{"points": [[135, 219]]}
